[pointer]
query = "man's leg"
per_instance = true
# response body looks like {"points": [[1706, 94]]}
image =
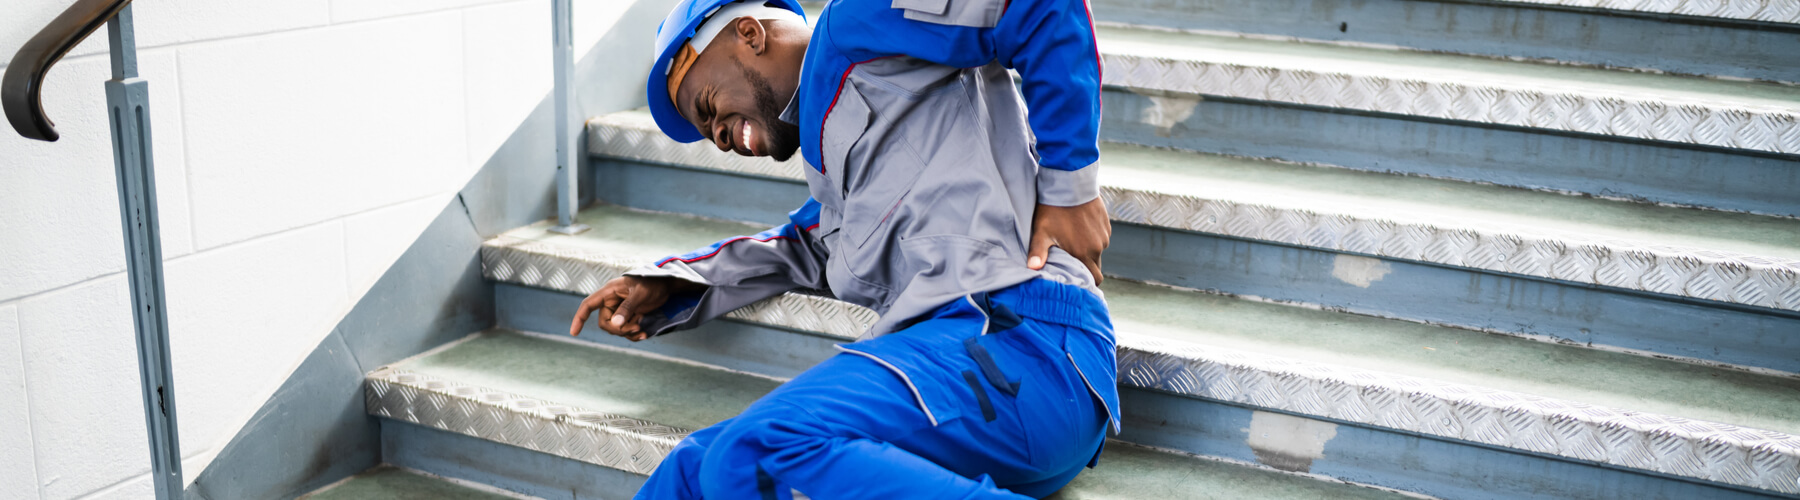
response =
{"points": [[829, 433], [675, 478]]}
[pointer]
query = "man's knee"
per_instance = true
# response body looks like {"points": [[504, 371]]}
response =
{"points": [[773, 433]]}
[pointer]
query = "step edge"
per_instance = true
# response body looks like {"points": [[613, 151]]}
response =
{"points": [[1766, 11], [1140, 359], [1669, 119], [611, 440], [1677, 271]]}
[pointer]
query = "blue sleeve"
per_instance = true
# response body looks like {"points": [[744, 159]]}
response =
{"points": [[1051, 43]]}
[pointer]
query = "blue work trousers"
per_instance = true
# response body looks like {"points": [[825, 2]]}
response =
{"points": [[983, 399]]}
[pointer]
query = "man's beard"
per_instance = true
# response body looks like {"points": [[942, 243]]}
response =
{"points": [[783, 137]]}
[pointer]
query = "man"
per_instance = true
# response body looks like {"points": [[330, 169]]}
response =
{"points": [[937, 201]]}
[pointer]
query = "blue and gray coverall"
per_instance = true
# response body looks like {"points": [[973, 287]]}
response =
{"points": [[983, 378]]}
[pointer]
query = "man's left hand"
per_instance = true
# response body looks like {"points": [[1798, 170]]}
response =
{"points": [[1083, 231]]}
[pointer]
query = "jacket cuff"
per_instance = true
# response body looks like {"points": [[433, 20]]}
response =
{"points": [[1068, 188], [678, 312]]}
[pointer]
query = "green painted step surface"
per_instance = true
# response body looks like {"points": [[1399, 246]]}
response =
{"points": [[1441, 203], [666, 392], [388, 483], [1132, 472], [1326, 58], [692, 396], [1432, 352]]}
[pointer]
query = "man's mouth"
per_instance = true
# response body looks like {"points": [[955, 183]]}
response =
{"points": [[746, 136]]}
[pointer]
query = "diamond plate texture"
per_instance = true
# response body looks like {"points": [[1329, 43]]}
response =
{"points": [[1672, 445], [1591, 111], [634, 136], [1529, 251], [1688, 448], [546, 265], [605, 439], [1772, 11]]}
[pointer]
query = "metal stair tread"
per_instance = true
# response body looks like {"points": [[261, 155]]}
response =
{"points": [[1712, 255], [1715, 112], [1441, 203], [1325, 338], [595, 378], [507, 368]]}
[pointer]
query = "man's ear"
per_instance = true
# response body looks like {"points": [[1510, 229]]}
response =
{"points": [[750, 32]]}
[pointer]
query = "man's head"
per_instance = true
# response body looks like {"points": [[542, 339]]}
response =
{"points": [[729, 82]]}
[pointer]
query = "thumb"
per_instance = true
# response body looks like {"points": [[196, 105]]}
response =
{"points": [[1039, 251]]}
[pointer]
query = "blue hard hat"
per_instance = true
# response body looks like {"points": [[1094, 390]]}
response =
{"points": [[670, 36]]}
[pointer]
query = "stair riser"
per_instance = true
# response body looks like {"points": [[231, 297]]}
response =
{"points": [[1384, 457], [1373, 455], [1662, 173], [1494, 29], [1570, 312], [511, 468]]}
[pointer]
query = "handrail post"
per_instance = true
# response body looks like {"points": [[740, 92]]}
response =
{"points": [[567, 195], [128, 110]]}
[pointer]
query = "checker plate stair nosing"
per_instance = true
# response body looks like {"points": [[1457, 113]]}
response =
{"points": [[605, 439]]}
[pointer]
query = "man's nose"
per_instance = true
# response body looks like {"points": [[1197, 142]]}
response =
{"points": [[718, 136]]}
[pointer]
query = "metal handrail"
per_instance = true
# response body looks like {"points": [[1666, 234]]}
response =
{"points": [[21, 91], [128, 114]]}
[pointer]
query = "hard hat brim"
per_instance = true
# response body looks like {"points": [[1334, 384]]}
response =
{"points": [[674, 32]]}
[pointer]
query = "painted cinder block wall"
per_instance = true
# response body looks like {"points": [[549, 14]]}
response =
{"points": [[300, 147]]}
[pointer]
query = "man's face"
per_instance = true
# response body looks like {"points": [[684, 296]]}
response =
{"points": [[733, 104]]}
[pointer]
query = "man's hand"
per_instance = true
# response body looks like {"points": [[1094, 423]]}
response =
{"points": [[1083, 230], [622, 303]]}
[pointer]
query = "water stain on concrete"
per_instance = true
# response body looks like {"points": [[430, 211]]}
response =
{"points": [[1288, 442], [1359, 271]]}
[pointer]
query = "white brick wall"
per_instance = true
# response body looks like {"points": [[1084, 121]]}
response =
{"points": [[300, 147]]}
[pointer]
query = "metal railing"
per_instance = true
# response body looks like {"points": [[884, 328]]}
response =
{"points": [[128, 107], [128, 113]]}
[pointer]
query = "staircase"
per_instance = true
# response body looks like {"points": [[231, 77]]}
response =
{"points": [[1363, 248]]}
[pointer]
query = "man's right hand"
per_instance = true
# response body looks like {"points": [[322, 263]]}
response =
{"points": [[622, 303]]}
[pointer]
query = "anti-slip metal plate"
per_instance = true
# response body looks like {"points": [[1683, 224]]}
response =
{"points": [[1671, 445], [547, 265], [609, 440], [1642, 266], [1565, 107], [1772, 11]]}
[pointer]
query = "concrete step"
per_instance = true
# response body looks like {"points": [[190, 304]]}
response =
{"points": [[1616, 256], [390, 483], [1754, 117], [1751, 39], [549, 396], [1651, 137], [1467, 392]]}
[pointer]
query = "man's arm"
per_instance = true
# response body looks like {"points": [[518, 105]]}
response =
{"points": [[1051, 43], [682, 291]]}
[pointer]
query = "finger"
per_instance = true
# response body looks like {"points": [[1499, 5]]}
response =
{"points": [[1040, 250], [609, 304], [629, 308], [1094, 269], [581, 313]]}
